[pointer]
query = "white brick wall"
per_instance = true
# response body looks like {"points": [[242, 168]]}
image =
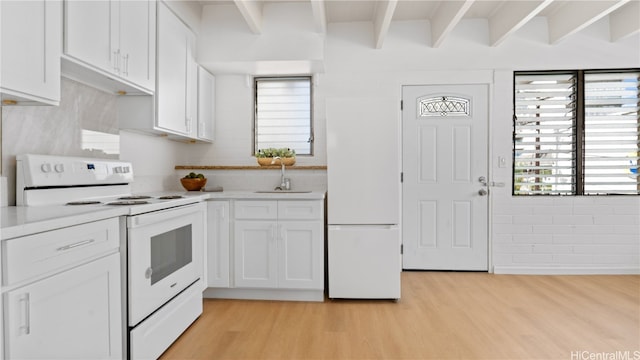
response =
{"points": [[555, 235], [578, 235]]}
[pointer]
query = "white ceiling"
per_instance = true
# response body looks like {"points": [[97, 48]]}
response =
{"points": [[504, 17]]}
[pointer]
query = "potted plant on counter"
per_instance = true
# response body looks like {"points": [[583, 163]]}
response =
{"points": [[266, 157]]}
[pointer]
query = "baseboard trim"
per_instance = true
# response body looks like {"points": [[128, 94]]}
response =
{"points": [[264, 294], [523, 270]]}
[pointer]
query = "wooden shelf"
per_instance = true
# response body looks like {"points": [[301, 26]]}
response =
{"points": [[248, 167]]}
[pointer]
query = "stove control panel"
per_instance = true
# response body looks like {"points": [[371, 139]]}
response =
{"points": [[48, 170]]}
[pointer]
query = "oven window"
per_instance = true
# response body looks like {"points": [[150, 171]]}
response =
{"points": [[170, 251]]}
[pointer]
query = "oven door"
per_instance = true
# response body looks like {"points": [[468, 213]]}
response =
{"points": [[165, 256]]}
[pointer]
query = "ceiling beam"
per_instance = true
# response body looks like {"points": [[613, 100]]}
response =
{"points": [[511, 17], [446, 17], [252, 13], [577, 15], [382, 19], [625, 21], [319, 15]]}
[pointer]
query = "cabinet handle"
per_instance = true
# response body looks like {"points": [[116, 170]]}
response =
{"points": [[26, 305], [187, 123], [74, 245], [126, 65], [116, 61]]}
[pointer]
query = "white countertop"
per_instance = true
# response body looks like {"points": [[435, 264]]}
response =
{"points": [[25, 220], [253, 195], [16, 221]]}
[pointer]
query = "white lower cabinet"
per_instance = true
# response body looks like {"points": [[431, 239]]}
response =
{"points": [[285, 250], [218, 243], [266, 249], [62, 294], [255, 254], [72, 315]]}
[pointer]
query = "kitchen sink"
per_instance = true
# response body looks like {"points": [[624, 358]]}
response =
{"points": [[283, 191]]}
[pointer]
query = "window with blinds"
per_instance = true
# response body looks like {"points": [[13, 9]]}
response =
{"points": [[576, 133], [544, 134], [283, 114], [611, 133]]}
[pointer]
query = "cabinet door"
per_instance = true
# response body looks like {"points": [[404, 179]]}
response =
{"points": [[206, 104], [191, 92], [72, 315], [218, 244], [137, 30], [30, 50], [89, 33], [172, 72], [301, 255], [255, 254]]}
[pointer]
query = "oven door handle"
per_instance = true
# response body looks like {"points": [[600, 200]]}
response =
{"points": [[148, 272]]}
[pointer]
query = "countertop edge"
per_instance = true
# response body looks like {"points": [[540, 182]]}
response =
{"points": [[248, 167], [253, 195], [22, 225]]}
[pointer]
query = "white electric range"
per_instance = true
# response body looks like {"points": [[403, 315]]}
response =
{"points": [[164, 246]]}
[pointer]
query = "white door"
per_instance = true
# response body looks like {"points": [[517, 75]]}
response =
{"points": [[444, 192]]}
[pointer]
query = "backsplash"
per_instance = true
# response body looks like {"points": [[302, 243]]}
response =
{"points": [[59, 130]]}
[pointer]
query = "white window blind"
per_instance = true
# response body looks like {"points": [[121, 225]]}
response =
{"points": [[544, 134], [283, 114], [611, 133]]}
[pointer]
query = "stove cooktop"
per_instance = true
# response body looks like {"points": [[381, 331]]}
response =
{"points": [[139, 204]]}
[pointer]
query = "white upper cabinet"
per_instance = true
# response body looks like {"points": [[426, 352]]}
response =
{"points": [[104, 40], [206, 105], [183, 103], [30, 52], [177, 75], [138, 42]]}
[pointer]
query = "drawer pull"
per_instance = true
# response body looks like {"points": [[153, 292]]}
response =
{"points": [[74, 245]]}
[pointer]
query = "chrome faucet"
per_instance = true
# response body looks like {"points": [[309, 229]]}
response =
{"points": [[285, 183]]}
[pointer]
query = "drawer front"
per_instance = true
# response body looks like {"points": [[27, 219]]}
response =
{"points": [[31, 256], [300, 210], [256, 209]]}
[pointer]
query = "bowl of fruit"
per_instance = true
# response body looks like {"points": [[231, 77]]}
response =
{"points": [[193, 181]]}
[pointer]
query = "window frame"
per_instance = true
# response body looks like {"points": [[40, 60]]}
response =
{"points": [[254, 127], [579, 134]]}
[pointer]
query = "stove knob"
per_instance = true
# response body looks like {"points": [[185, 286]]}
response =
{"points": [[46, 167], [59, 168], [117, 169]]}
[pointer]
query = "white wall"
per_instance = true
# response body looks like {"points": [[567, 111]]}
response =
{"points": [[530, 235]]}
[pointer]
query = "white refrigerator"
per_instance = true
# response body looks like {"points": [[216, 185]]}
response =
{"points": [[363, 197]]}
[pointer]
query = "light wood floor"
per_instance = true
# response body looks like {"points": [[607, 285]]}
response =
{"points": [[441, 315]]}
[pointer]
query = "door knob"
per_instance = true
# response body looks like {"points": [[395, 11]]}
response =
{"points": [[483, 192], [482, 180]]}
